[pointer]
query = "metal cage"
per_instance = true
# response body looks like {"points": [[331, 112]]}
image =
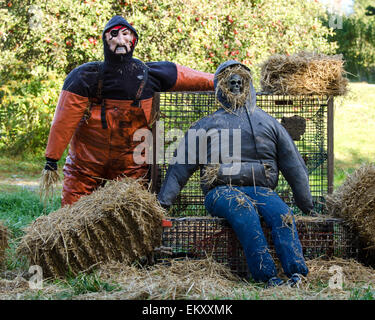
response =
{"points": [[199, 237], [309, 121]]}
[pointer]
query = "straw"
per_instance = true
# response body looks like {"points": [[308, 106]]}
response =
{"points": [[304, 73], [3, 242], [354, 201], [236, 101], [121, 221], [47, 184]]}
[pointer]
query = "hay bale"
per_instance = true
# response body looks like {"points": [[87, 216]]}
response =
{"points": [[354, 201], [120, 221], [304, 73], [3, 242]]}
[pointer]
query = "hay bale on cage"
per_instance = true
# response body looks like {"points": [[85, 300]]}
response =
{"points": [[121, 221], [304, 73], [3, 242], [354, 201]]}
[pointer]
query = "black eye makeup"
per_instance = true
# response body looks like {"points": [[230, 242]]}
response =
{"points": [[114, 33]]}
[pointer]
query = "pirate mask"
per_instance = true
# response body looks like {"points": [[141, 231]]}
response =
{"points": [[120, 39]]}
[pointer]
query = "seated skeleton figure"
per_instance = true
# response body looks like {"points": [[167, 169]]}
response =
{"points": [[240, 186]]}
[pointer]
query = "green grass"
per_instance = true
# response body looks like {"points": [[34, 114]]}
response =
{"points": [[18, 209], [19, 206], [354, 133], [367, 293], [25, 166], [14, 167], [82, 284], [72, 287]]}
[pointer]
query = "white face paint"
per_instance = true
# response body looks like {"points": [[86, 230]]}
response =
{"points": [[235, 84], [120, 41]]}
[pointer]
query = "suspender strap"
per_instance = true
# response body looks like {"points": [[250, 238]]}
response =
{"points": [[102, 116], [99, 96], [141, 86]]}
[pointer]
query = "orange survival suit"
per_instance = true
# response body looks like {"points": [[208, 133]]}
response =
{"points": [[100, 107]]}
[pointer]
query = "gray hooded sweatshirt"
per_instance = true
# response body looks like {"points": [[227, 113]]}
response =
{"points": [[263, 148]]}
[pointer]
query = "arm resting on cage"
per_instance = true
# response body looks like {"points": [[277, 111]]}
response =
{"points": [[294, 170], [192, 80], [168, 76]]}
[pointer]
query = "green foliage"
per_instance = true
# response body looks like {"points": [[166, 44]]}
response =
{"points": [[41, 41], [58, 35], [201, 34], [204, 34], [27, 108], [356, 41]]}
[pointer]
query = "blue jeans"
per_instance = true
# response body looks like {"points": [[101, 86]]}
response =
{"points": [[241, 207]]}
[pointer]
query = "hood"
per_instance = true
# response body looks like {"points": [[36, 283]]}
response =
{"points": [[222, 98], [110, 56]]}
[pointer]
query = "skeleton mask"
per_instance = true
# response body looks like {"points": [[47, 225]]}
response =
{"points": [[120, 40], [235, 84]]}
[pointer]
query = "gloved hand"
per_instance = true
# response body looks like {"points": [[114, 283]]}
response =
{"points": [[51, 164], [165, 207]]}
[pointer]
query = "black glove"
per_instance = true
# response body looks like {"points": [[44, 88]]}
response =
{"points": [[165, 207], [51, 164]]}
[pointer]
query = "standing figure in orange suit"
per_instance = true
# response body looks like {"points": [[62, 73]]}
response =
{"points": [[102, 105]]}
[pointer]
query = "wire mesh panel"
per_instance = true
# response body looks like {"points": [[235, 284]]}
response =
{"points": [[199, 237], [305, 118]]}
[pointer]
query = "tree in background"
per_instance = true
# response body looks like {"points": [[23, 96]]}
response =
{"points": [[41, 41], [62, 35], [356, 41], [370, 11]]}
